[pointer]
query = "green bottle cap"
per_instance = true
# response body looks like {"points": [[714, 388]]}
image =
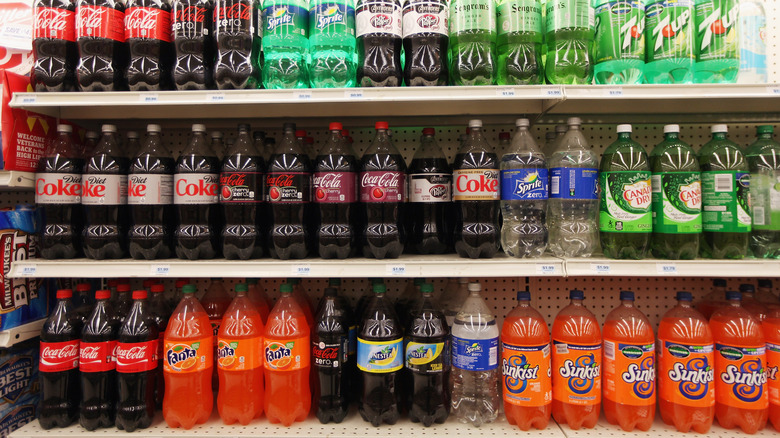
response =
{"points": [[241, 287], [765, 129], [189, 289], [286, 288], [426, 288], [334, 282], [380, 288], [251, 281]]}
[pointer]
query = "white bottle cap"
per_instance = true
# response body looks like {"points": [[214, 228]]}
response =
{"points": [[475, 287], [64, 128], [108, 128], [198, 128], [671, 128], [216, 134], [153, 128], [522, 122], [719, 128], [92, 134], [463, 280], [475, 123], [624, 128], [561, 128], [132, 134], [574, 121]]}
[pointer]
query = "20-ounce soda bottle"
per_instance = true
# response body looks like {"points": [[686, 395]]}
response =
{"points": [[519, 27], [332, 43], [717, 41], [569, 41], [763, 157], [97, 364], [425, 41], [330, 357], [378, 28], [473, 42], [234, 29], [54, 45], [193, 43], [670, 46], [148, 33], [619, 46]]}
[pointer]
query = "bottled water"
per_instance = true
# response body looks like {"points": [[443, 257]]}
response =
{"points": [[752, 42], [332, 43], [620, 44], [717, 41], [670, 39], [452, 300], [285, 43], [569, 42]]}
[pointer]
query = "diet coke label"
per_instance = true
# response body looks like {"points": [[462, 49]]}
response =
{"points": [[104, 190], [382, 186], [100, 22], [58, 188], [288, 187], [149, 189], [428, 16], [196, 188], [55, 23], [136, 357], [244, 187], [475, 185], [430, 187], [152, 23], [59, 356], [335, 187], [97, 357]]}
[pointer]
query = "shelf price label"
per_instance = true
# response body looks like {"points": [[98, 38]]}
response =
{"points": [[613, 92], [148, 98], [600, 268], [395, 270], [302, 95], [546, 269], [666, 268], [160, 270], [215, 97], [28, 271], [29, 99], [555, 92], [353, 94], [301, 270], [774, 90], [505, 92]]}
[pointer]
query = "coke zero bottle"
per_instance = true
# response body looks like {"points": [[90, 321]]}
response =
{"points": [[148, 32], [160, 313], [378, 30], [425, 42], [54, 45], [194, 47], [235, 67], [103, 55], [330, 354]]}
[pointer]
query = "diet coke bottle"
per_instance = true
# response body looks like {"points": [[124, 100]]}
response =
{"points": [[194, 46], [54, 45], [148, 32], [100, 34]]}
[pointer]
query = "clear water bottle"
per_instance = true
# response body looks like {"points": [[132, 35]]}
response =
{"points": [[285, 43], [752, 42], [763, 158], [717, 41], [569, 42], [620, 42], [523, 196], [573, 204], [453, 297], [475, 373], [670, 38]]}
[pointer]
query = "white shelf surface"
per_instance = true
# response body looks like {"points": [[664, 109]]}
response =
{"points": [[14, 179], [10, 337]]}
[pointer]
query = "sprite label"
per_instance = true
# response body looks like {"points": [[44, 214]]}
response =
{"points": [[519, 16], [620, 31], [725, 194], [569, 14], [717, 36], [285, 19], [625, 202], [467, 15], [676, 202], [331, 18], [669, 31]]}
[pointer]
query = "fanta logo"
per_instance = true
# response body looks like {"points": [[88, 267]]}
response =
{"points": [[748, 380], [474, 348], [225, 350], [528, 184], [278, 355], [717, 25], [181, 357], [638, 195], [279, 18], [581, 374], [690, 195], [666, 28], [517, 371], [694, 379]]}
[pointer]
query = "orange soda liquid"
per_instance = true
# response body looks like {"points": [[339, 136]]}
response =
{"points": [[771, 328]]}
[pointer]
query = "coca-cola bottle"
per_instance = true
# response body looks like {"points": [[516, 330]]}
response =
{"points": [[335, 197], [104, 199], [58, 196], [150, 199], [430, 198], [330, 357], [193, 44], [476, 194], [160, 313], [82, 301], [288, 191], [148, 32], [103, 54], [98, 365], [235, 67], [196, 184], [54, 45], [382, 178], [241, 195], [136, 366], [59, 365], [124, 301]]}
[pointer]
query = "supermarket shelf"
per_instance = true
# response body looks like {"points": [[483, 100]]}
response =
{"points": [[16, 180], [600, 266], [659, 430], [10, 337]]}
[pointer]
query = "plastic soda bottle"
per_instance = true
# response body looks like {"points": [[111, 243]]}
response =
{"points": [[629, 367], [763, 157], [519, 42], [257, 296], [554, 140], [717, 41], [330, 357], [742, 398], [287, 355], [526, 366], [771, 328], [713, 300], [188, 364], [766, 293], [686, 387], [619, 42], [625, 219], [473, 42], [676, 184], [725, 185], [285, 43], [569, 42], [332, 43], [576, 365], [757, 310], [453, 299], [752, 42], [671, 41]]}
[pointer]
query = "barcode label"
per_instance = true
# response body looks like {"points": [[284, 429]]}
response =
{"points": [[758, 216], [724, 182], [609, 349], [655, 183], [493, 356], [555, 185], [562, 348]]}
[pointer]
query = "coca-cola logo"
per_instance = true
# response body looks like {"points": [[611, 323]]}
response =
{"points": [[386, 180], [69, 351], [66, 186], [90, 353], [428, 21], [136, 187], [240, 11], [280, 180], [438, 191], [233, 179], [141, 19], [329, 180], [190, 14], [91, 17], [206, 186], [381, 21], [95, 187], [51, 19], [136, 353], [329, 353]]}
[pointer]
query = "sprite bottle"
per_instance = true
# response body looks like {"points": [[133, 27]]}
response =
{"points": [[519, 42], [569, 36], [620, 42], [676, 184], [670, 42], [285, 43], [473, 42], [725, 181], [717, 41], [625, 220], [763, 158]]}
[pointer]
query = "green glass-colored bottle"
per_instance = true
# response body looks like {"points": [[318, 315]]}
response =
{"points": [[763, 157]]}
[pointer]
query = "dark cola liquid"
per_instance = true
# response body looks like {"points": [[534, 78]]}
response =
{"points": [[99, 388], [234, 67], [61, 223], [193, 44], [103, 54], [150, 45], [60, 390], [383, 231], [241, 183], [477, 231], [288, 190], [429, 226], [330, 339], [152, 225], [198, 224], [336, 222], [55, 55], [379, 61], [105, 226], [426, 60]]}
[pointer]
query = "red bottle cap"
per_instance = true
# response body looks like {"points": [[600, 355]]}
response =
{"points": [[300, 133], [180, 283], [148, 283], [382, 125], [113, 283], [124, 287], [336, 127], [157, 288], [102, 294], [83, 287], [139, 295], [429, 131], [345, 132], [63, 294]]}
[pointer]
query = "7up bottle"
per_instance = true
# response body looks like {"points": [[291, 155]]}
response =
{"points": [[717, 41], [620, 42], [669, 52]]}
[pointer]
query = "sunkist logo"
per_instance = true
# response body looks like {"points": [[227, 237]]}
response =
{"points": [[517, 372], [638, 195], [717, 24], [181, 357], [666, 28], [530, 183], [581, 374], [693, 378], [748, 380], [642, 375], [331, 15]]}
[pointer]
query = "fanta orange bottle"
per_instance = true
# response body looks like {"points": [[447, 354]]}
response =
{"points": [[188, 364], [287, 361], [685, 375], [741, 397], [576, 365], [629, 367], [713, 300], [240, 361], [771, 327], [216, 301], [527, 387], [257, 296]]}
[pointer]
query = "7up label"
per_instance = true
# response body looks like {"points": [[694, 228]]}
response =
{"points": [[717, 35], [668, 30], [620, 31]]}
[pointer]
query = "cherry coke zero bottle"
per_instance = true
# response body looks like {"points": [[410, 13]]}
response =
{"points": [[425, 42], [103, 55], [233, 32], [148, 32], [330, 355], [54, 45], [194, 47], [378, 30]]}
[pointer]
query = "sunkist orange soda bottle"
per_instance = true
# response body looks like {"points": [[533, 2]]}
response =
{"points": [[188, 364], [771, 327], [629, 367], [527, 386], [240, 361], [576, 365], [287, 361], [686, 390], [741, 398]]}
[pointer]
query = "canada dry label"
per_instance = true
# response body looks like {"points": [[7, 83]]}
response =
{"points": [[378, 16], [136, 357], [427, 358], [475, 185], [725, 201], [55, 23], [576, 373], [330, 355], [104, 190], [670, 30], [382, 186], [58, 188], [765, 200], [96, 357], [287, 354], [196, 188], [717, 35], [188, 356], [567, 14], [772, 363], [282, 18], [149, 189], [59, 356], [629, 373], [574, 183], [144, 22], [243, 187], [239, 354], [625, 202], [676, 202], [426, 16], [100, 21], [332, 17], [475, 354], [527, 374], [430, 187], [524, 184], [620, 31], [740, 378], [468, 15], [380, 356], [686, 374], [519, 16], [335, 187], [292, 187]]}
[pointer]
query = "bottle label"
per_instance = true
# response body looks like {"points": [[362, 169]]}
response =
{"points": [[332, 18], [686, 374], [475, 185], [569, 14], [97, 357], [430, 187], [104, 190], [676, 202], [772, 363], [55, 23], [330, 355], [378, 16], [765, 201], [196, 188], [426, 16], [527, 374], [243, 187], [752, 51], [427, 358], [669, 29], [149, 189], [382, 186], [100, 21], [726, 201], [288, 187], [741, 378], [629, 373], [717, 33], [469, 15], [475, 354], [59, 356], [335, 187], [620, 31], [519, 16], [288, 355], [153, 23], [576, 373], [136, 357], [188, 356], [189, 21], [232, 17], [239, 354], [380, 356], [524, 184], [58, 188], [625, 202], [568, 183], [285, 19]]}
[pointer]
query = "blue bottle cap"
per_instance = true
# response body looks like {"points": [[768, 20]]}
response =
{"points": [[626, 295], [523, 295], [764, 282], [576, 294], [684, 296], [733, 295], [745, 287]]}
